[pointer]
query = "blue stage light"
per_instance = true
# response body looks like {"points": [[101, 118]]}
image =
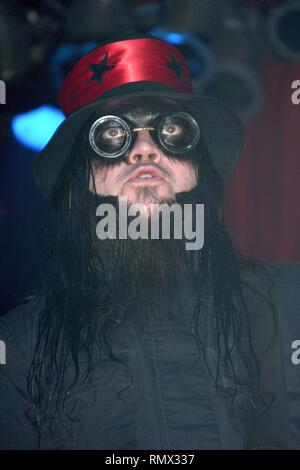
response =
{"points": [[35, 128], [170, 36]]}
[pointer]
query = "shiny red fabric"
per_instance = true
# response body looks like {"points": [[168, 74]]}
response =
{"points": [[128, 61]]}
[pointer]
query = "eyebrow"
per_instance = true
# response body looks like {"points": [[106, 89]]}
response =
{"points": [[143, 119]]}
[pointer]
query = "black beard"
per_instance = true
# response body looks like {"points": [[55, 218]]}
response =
{"points": [[157, 279]]}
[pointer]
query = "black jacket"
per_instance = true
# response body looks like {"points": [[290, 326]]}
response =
{"points": [[158, 396]]}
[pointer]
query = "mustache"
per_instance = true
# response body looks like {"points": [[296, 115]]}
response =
{"points": [[128, 172]]}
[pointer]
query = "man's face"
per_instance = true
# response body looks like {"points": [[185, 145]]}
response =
{"points": [[147, 175]]}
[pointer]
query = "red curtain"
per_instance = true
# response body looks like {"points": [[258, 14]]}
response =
{"points": [[263, 195]]}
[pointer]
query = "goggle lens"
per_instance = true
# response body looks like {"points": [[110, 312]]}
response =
{"points": [[178, 133], [110, 136]]}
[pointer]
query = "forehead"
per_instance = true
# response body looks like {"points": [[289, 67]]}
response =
{"points": [[140, 109]]}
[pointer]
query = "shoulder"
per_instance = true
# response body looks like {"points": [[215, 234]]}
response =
{"points": [[258, 282], [286, 298], [272, 294], [279, 274], [256, 273], [18, 326], [17, 336], [277, 283]]}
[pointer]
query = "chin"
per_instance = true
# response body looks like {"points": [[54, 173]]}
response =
{"points": [[149, 194]]}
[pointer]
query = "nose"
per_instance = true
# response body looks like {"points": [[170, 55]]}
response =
{"points": [[144, 149]]}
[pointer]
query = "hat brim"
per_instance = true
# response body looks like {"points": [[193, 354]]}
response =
{"points": [[221, 129]]}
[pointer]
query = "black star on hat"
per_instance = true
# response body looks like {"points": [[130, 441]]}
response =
{"points": [[174, 66], [100, 68]]}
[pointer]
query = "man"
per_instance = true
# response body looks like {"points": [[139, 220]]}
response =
{"points": [[141, 343]]}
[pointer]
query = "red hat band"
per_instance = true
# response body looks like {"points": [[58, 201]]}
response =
{"points": [[123, 62]]}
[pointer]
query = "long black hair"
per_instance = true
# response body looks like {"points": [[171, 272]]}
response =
{"points": [[74, 318]]}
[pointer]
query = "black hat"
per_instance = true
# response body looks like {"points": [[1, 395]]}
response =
{"points": [[131, 68]]}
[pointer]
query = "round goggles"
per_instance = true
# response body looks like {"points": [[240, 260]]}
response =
{"points": [[175, 133]]}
